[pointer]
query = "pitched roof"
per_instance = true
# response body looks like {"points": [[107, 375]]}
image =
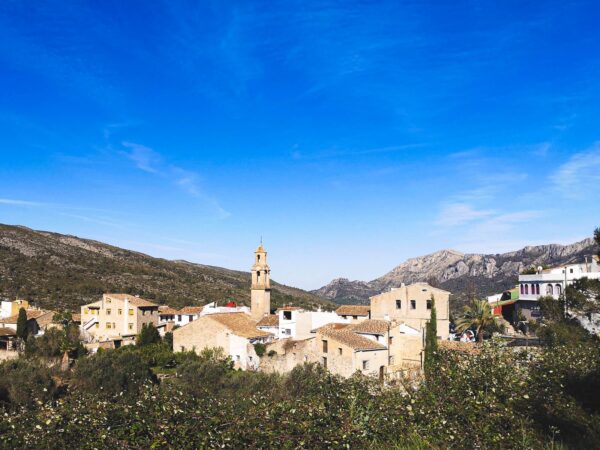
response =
{"points": [[272, 320], [76, 317], [355, 341], [135, 301], [167, 311], [31, 314], [289, 308], [372, 326], [353, 310], [45, 319], [4, 331], [191, 309], [239, 323]]}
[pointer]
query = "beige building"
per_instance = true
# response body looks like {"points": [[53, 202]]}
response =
{"points": [[116, 316], [260, 293], [235, 333], [344, 352], [411, 304]]}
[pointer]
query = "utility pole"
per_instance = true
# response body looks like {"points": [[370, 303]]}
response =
{"points": [[564, 292]]}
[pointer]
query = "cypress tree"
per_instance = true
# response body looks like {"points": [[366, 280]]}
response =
{"points": [[22, 330], [148, 335], [431, 343]]}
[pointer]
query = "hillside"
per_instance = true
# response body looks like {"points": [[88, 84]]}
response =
{"points": [[58, 271], [458, 272]]}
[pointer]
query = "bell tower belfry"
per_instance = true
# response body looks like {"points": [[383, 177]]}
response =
{"points": [[260, 294]]}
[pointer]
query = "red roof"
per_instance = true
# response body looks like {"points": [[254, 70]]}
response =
{"points": [[231, 304]]}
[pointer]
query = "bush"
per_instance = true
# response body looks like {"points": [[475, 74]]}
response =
{"points": [[260, 349], [23, 382], [148, 335], [112, 372]]}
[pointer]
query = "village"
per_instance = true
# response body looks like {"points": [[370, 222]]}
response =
{"points": [[385, 339]]}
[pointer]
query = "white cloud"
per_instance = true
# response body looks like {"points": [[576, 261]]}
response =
{"points": [[144, 158], [453, 214], [8, 201], [580, 174]]}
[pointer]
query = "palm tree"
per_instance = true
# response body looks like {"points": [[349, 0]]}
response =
{"points": [[478, 315]]}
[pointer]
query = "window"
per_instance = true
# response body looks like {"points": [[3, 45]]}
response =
{"points": [[340, 351], [258, 258], [286, 331], [179, 318], [324, 361], [429, 303], [398, 304], [85, 311], [131, 312], [558, 289], [413, 304], [183, 348], [258, 276], [549, 290], [354, 317], [131, 326], [390, 340], [97, 324], [287, 315], [120, 312], [570, 270], [108, 312], [365, 365], [391, 360], [522, 289], [108, 325], [324, 346], [190, 317], [526, 289]]}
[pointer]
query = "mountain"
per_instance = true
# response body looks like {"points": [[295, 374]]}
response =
{"points": [[458, 272], [64, 272]]}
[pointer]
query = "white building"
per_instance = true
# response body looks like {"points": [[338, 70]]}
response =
{"points": [[552, 282], [296, 323]]}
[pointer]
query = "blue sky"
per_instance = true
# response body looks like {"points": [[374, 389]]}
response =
{"points": [[350, 135]]}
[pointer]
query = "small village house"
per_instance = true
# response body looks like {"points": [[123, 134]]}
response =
{"points": [[235, 333], [354, 313]]}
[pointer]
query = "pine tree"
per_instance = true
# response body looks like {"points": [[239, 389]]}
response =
{"points": [[22, 330], [431, 343], [148, 335], [597, 239]]}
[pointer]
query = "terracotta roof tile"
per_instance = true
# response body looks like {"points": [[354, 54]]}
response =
{"points": [[353, 310], [191, 309], [167, 311], [352, 340], [239, 323], [372, 326], [272, 320], [31, 314], [4, 331], [135, 301]]}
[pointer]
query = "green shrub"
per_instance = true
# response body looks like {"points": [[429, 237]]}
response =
{"points": [[112, 372], [260, 349], [23, 382]]}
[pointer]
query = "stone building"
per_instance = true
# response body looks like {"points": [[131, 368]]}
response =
{"points": [[260, 293], [354, 313], [235, 333], [411, 304]]}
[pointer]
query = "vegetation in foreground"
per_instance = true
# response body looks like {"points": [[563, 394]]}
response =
{"points": [[146, 396]]}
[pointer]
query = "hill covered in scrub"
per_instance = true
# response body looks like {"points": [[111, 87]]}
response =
{"points": [[64, 272]]}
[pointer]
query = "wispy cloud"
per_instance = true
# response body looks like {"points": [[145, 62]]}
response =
{"points": [[580, 174], [13, 202], [144, 157], [454, 214], [150, 161]]}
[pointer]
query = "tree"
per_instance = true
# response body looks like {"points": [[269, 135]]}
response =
{"points": [[22, 330], [597, 239], [478, 315], [431, 343], [148, 335]]}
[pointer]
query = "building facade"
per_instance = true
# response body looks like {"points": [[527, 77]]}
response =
{"points": [[116, 316], [260, 293]]}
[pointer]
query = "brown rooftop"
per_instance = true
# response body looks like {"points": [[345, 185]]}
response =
{"points": [[191, 309], [353, 310], [239, 323], [167, 311], [5, 331], [349, 338], [373, 326], [272, 320], [31, 314], [135, 301]]}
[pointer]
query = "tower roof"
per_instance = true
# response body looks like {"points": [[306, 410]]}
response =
{"points": [[260, 249]]}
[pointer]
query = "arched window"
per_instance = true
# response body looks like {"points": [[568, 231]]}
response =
{"points": [[537, 289], [526, 289], [522, 289], [558, 289], [549, 290]]}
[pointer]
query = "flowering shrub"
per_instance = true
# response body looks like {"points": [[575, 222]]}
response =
{"points": [[497, 398]]}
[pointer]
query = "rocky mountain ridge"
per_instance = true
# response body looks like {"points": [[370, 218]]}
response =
{"points": [[459, 272]]}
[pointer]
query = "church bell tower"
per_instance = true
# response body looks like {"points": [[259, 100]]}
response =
{"points": [[260, 293]]}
